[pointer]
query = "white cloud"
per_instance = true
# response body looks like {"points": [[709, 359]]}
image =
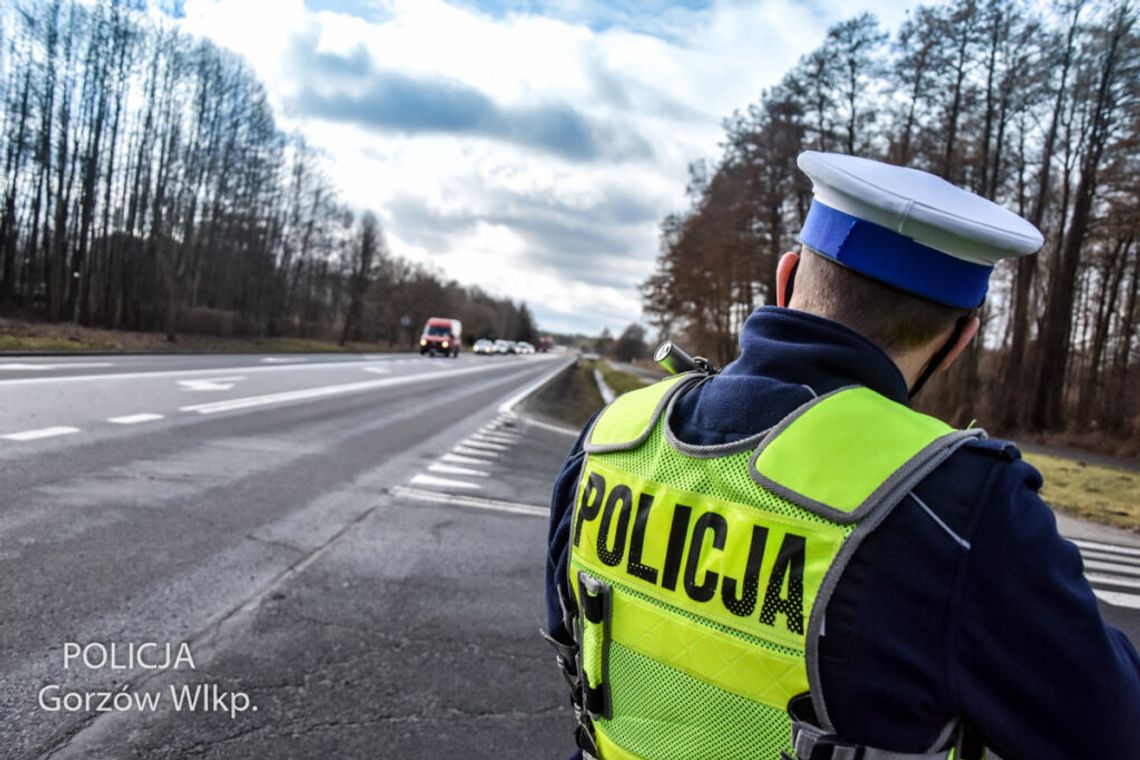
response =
{"points": [[579, 125]]}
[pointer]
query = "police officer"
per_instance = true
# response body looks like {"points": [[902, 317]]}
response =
{"points": [[784, 560]]}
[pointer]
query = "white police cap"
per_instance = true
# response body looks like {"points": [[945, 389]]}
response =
{"points": [[909, 229]]}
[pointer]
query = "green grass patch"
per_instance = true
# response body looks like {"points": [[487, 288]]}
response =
{"points": [[571, 398], [1101, 494], [621, 382]]}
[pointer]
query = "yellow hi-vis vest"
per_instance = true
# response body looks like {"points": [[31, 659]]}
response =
{"points": [[702, 573]]}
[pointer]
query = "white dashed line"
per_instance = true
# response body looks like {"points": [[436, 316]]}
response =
{"points": [[431, 480], [377, 370], [34, 435], [134, 419], [210, 384], [448, 469]]}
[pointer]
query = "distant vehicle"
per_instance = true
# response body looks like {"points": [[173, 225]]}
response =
{"points": [[441, 336], [502, 347], [545, 343], [484, 346], [525, 348]]}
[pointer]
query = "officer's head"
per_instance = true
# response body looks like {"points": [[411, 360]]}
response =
{"points": [[899, 255]]}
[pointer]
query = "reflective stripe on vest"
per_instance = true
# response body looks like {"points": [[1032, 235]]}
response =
{"points": [[701, 573]]}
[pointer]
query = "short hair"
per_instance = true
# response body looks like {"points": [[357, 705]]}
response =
{"points": [[892, 319]]}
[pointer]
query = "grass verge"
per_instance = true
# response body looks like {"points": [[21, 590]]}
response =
{"points": [[620, 381], [1101, 494]]}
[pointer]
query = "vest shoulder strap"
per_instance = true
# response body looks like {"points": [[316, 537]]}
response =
{"points": [[841, 454], [628, 420]]}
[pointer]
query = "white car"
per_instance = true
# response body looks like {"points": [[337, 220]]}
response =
{"points": [[525, 348], [484, 346], [503, 347]]}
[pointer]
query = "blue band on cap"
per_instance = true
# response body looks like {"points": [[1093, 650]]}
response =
{"points": [[889, 257]]}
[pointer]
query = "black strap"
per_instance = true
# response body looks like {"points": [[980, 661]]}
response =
{"points": [[939, 355]]}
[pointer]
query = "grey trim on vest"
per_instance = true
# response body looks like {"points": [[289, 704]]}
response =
{"points": [[711, 451], [590, 448], [873, 511], [882, 492]]}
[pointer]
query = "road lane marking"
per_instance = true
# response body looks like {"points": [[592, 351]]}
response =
{"points": [[20, 366], [33, 435], [1112, 567], [210, 384], [431, 480], [324, 391], [474, 502], [1115, 548], [1111, 580], [283, 359], [378, 370], [448, 469], [483, 445], [134, 419], [457, 459], [1118, 599], [552, 428], [191, 372], [461, 449], [1110, 557], [508, 407], [496, 438]]}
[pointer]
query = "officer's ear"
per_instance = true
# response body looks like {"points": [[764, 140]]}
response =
{"points": [[967, 331], [785, 275]]}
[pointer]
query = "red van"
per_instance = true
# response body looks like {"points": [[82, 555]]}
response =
{"points": [[441, 336]]}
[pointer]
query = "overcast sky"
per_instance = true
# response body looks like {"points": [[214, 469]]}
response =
{"points": [[530, 147]]}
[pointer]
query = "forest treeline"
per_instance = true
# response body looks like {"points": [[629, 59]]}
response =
{"points": [[1037, 111], [145, 185]]}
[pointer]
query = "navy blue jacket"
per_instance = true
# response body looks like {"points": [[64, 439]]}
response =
{"points": [[977, 608]]}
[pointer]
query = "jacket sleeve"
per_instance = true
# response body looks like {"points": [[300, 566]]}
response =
{"points": [[1033, 663], [558, 535]]}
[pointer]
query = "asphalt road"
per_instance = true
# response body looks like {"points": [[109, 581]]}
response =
{"points": [[289, 519], [351, 549]]}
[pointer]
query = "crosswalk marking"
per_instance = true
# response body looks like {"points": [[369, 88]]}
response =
{"points": [[483, 445], [461, 449], [458, 459], [431, 480], [449, 469], [1113, 571]]}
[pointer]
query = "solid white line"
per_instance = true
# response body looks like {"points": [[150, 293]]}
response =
{"points": [[377, 370], [134, 419], [32, 435], [1112, 567], [461, 449], [1115, 548], [326, 390], [1119, 598], [25, 366], [283, 359], [475, 502], [551, 428], [1110, 580], [463, 460], [429, 480], [508, 406], [183, 373], [448, 469]]}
